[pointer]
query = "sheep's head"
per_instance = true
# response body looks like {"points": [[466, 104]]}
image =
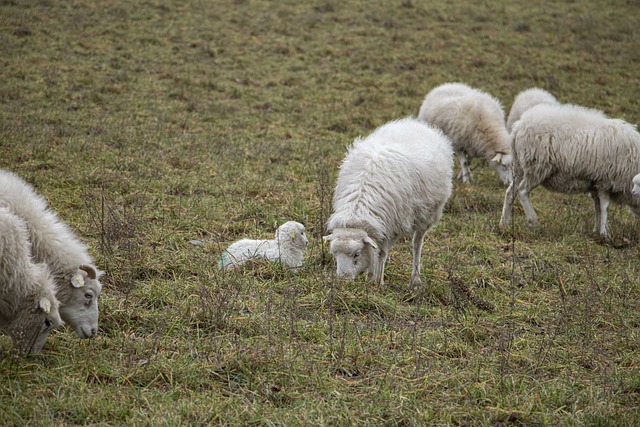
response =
{"points": [[80, 311], [501, 164], [34, 321], [635, 190], [293, 232], [353, 250]]}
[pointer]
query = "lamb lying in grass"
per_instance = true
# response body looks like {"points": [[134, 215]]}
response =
{"points": [[287, 248]]}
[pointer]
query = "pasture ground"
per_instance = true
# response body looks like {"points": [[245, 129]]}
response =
{"points": [[150, 124]]}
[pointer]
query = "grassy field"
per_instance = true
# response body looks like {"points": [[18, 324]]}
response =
{"points": [[151, 124]]}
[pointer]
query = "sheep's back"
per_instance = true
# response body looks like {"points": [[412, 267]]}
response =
{"points": [[53, 240], [393, 178], [578, 144], [473, 119]]}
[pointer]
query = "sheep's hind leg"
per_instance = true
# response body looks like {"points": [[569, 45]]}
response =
{"points": [[418, 239]]}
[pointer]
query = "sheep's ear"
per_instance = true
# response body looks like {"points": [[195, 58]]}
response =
{"points": [[293, 235], [90, 270], [77, 280], [327, 238], [497, 158], [45, 305], [369, 241]]}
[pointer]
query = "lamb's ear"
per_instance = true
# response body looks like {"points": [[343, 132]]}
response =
{"points": [[498, 158], [90, 270], [327, 238], [369, 241], [45, 305]]}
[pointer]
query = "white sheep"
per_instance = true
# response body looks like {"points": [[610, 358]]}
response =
{"points": [[77, 279], [636, 186], [287, 248], [572, 149], [527, 99], [28, 306], [393, 183], [474, 121]]}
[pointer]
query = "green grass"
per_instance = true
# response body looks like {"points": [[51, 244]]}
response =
{"points": [[150, 124]]}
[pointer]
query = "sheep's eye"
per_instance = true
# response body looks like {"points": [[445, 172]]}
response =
{"points": [[88, 295], [47, 323]]}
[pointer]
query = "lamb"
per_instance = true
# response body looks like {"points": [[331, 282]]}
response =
{"points": [[76, 278], [636, 186], [572, 149], [527, 99], [28, 306], [393, 183], [474, 121], [287, 248]]}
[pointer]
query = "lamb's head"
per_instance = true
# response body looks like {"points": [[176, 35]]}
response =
{"points": [[294, 233], [501, 164], [80, 308], [353, 250], [635, 190], [36, 318]]}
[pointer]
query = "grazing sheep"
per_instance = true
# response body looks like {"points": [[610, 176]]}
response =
{"points": [[393, 183], [54, 243], [287, 248], [527, 99], [28, 306], [474, 121], [571, 149]]}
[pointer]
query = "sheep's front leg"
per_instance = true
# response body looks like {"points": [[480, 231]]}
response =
{"points": [[376, 271], [418, 239], [601, 211], [596, 206], [523, 194], [465, 172], [507, 207]]}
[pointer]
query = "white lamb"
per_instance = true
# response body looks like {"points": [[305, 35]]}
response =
{"points": [[28, 306], [474, 121], [54, 243], [636, 186], [393, 183], [571, 149], [287, 248], [527, 99]]}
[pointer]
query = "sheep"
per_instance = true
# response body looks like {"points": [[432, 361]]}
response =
{"points": [[287, 248], [474, 121], [393, 183], [53, 242], [527, 99], [29, 309], [572, 149]]}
